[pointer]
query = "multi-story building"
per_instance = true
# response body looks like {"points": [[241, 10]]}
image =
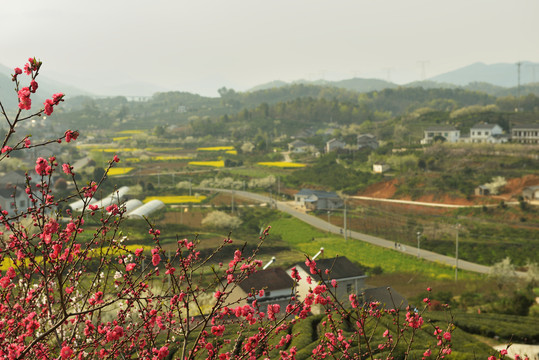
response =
{"points": [[448, 132], [526, 134]]}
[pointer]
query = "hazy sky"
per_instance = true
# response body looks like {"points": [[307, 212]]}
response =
{"points": [[201, 45]]}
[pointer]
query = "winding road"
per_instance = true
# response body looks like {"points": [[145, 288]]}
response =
{"points": [[324, 225]]}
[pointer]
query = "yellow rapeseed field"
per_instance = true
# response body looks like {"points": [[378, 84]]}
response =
{"points": [[216, 148], [180, 199], [132, 132], [119, 170], [218, 163], [282, 164], [120, 138]]}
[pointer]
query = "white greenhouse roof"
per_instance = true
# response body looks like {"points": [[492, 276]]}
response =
{"points": [[146, 209]]}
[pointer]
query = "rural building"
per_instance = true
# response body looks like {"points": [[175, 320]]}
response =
{"points": [[448, 132], [531, 192], [299, 146], [334, 144], [482, 190], [380, 168], [526, 134], [350, 278], [487, 133], [386, 296], [367, 141], [318, 200], [277, 285], [12, 192]]}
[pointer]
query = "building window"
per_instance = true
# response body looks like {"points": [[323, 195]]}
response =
{"points": [[267, 293], [479, 133], [349, 288]]}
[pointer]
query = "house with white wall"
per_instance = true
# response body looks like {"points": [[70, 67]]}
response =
{"points": [[334, 144], [448, 132], [349, 277], [525, 133], [278, 288], [318, 200], [487, 133]]}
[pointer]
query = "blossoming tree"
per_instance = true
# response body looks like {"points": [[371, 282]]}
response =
{"points": [[71, 289]]}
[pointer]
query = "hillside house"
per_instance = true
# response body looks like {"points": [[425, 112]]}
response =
{"points": [[12, 192], [525, 134], [482, 190], [334, 144], [448, 132], [531, 192], [300, 147], [386, 296], [277, 285], [318, 200], [365, 141], [350, 278], [380, 168], [487, 133]]}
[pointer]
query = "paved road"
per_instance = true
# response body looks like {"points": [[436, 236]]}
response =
{"points": [[323, 225], [422, 203]]}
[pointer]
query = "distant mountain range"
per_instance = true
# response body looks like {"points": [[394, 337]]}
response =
{"points": [[495, 79]]}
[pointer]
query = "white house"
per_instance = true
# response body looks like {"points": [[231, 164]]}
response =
{"points": [[278, 288], [448, 132], [487, 133], [334, 144], [299, 146], [380, 168], [349, 277], [367, 141], [531, 192], [317, 200], [526, 134]]}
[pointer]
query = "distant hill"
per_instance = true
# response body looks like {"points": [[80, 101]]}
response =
{"points": [[355, 84], [502, 74], [47, 87]]}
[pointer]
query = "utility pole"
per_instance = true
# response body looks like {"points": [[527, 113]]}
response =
{"points": [[232, 204], [418, 246], [519, 64], [345, 229], [423, 64], [457, 254]]}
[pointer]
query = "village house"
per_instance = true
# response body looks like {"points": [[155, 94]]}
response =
{"points": [[318, 200], [278, 288], [300, 147], [447, 132], [487, 133], [380, 168], [349, 277], [531, 192], [386, 296], [13, 192], [334, 144], [525, 134], [367, 141]]}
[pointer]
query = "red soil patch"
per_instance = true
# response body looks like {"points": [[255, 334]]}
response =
{"points": [[514, 187], [383, 190]]}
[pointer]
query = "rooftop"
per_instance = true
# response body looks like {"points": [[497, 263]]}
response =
{"points": [[338, 267]]}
